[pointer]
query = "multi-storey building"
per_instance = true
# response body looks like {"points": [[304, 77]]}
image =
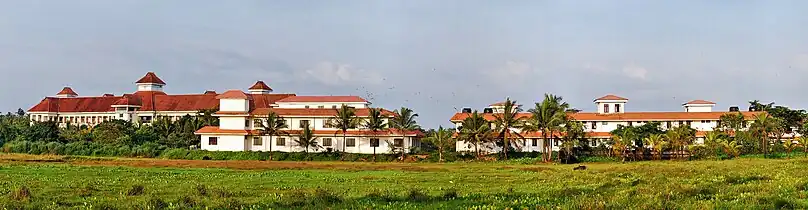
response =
{"points": [[240, 115], [611, 112]]}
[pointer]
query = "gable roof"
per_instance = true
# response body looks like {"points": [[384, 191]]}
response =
{"points": [[611, 97], [151, 78], [699, 102], [324, 99], [232, 94], [67, 91], [129, 100], [260, 85]]}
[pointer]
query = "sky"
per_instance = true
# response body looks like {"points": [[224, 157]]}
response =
{"points": [[432, 56]]}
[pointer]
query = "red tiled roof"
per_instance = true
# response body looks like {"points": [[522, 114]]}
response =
{"points": [[150, 101], [230, 113], [699, 102], [67, 91], [628, 116], [216, 130], [210, 92], [611, 97], [363, 112], [151, 78], [533, 135], [232, 94], [128, 99], [260, 85], [324, 99]]}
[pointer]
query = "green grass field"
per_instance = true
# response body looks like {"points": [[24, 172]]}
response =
{"points": [[81, 183]]}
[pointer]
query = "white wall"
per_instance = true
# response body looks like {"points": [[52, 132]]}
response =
{"points": [[698, 108], [234, 105], [611, 105], [325, 105], [362, 144], [149, 87], [232, 122], [225, 143]]}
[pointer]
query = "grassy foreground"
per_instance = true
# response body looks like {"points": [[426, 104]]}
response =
{"points": [[81, 183]]}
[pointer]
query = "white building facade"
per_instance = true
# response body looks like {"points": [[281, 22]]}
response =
{"points": [[611, 113]]}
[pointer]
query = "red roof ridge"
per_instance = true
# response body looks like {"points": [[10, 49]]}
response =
{"points": [[260, 85], [611, 97], [67, 91], [150, 77], [233, 94], [699, 101]]}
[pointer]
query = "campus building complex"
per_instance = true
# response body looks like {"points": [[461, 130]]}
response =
{"points": [[241, 116], [611, 112]]}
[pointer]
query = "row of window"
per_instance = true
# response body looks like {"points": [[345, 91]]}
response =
{"points": [[326, 142], [327, 123], [667, 124]]}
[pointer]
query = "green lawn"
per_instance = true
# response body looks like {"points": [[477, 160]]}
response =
{"points": [[732, 184]]}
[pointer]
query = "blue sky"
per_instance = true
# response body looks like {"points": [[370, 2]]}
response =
{"points": [[432, 56]]}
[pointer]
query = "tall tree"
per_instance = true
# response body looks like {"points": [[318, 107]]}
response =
{"points": [[803, 140], [713, 141], [442, 139], [756, 106], [476, 130], [731, 122], [506, 122], [404, 121], [306, 139], [547, 117], [345, 119], [272, 125], [573, 134], [763, 127], [657, 142], [375, 123]]}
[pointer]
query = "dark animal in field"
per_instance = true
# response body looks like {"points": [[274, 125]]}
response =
{"points": [[580, 167]]}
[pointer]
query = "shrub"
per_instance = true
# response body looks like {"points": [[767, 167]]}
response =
{"points": [[17, 146], [176, 153], [186, 201], [136, 190], [156, 203], [201, 190], [55, 148], [417, 195], [449, 194], [326, 197], [21, 194], [38, 147]]}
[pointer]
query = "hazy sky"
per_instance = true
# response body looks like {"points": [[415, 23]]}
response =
{"points": [[432, 56]]}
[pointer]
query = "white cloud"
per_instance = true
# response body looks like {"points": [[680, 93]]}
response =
{"points": [[337, 73], [510, 71], [634, 71]]}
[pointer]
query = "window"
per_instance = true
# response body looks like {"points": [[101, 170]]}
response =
{"points": [[120, 115], [617, 108], [398, 142], [307, 106], [593, 142], [304, 123], [334, 106], [688, 122], [246, 123], [280, 142], [606, 108], [257, 141], [213, 140], [668, 124], [257, 123], [321, 107], [630, 123], [604, 123], [535, 142], [350, 142], [374, 142], [594, 125], [326, 142]]}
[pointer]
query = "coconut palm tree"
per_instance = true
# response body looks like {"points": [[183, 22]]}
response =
{"points": [[404, 121], [763, 126], [657, 142], [548, 118], [505, 122], [272, 125], [804, 144], [573, 133], [476, 131], [789, 145], [441, 138], [731, 147], [375, 123], [306, 139], [712, 140], [622, 140], [344, 119]]}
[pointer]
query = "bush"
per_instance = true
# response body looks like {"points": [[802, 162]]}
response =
{"points": [[417, 195], [38, 148], [55, 148], [17, 146], [21, 194], [136, 190], [156, 203], [176, 153]]}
